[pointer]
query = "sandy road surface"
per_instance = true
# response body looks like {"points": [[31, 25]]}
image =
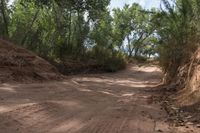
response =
{"points": [[104, 103]]}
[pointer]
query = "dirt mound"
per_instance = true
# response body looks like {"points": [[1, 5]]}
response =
{"points": [[18, 64], [185, 87], [181, 99], [189, 82]]}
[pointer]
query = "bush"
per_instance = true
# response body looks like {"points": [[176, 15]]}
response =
{"points": [[109, 60], [141, 59], [94, 61], [115, 63]]}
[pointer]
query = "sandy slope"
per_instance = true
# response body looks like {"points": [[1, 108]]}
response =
{"points": [[20, 65], [104, 103]]}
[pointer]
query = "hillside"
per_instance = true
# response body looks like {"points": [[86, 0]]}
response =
{"points": [[19, 65], [188, 81], [182, 98]]}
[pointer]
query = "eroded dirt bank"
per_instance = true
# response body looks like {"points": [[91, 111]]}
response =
{"points": [[20, 65], [103, 103]]}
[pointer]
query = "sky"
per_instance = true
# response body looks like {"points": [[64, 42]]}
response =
{"points": [[148, 4]]}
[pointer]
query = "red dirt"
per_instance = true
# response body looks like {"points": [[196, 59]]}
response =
{"points": [[19, 65], [100, 103]]}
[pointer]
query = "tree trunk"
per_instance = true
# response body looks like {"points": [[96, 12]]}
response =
{"points": [[70, 31], [5, 20], [30, 27], [129, 47], [136, 52], [80, 45]]}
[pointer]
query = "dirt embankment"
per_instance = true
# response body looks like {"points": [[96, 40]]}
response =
{"points": [[190, 77], [187, 82], [183, 95], [19, 65]]}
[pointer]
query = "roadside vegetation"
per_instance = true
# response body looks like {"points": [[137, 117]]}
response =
{"points": [[86, 32], [86, 35]]}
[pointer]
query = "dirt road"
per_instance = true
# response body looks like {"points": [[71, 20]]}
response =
{"points": [[103, 103]]}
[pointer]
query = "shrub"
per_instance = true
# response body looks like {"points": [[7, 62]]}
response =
{"points": [[141, 58], [114, 63]]}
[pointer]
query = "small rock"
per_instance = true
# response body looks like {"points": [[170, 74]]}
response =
{"points": [[194, 120], [189, 123], [188, 117], [159, 130], [166, 102], [198, 125]]}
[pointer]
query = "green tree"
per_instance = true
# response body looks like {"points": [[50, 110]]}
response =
{"points": [[132, 24], [4, 19], [177, 27]]}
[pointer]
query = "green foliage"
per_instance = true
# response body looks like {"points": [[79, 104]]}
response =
{"points": [[114, 63], [108, 60], [86, 29], [81, 30], [177, 27], [133, 23], [4, 19], [140, 59]]}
